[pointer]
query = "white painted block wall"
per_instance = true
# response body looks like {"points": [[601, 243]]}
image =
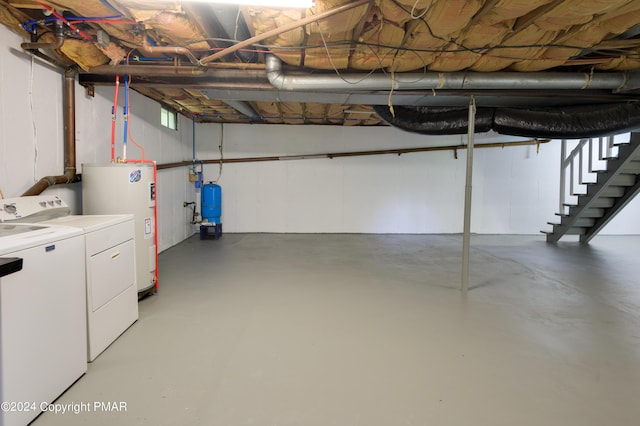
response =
{"points": [[31, 136], [515, 190]]}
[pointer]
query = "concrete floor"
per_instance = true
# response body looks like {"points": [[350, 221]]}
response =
{"points": [[352, 330]]}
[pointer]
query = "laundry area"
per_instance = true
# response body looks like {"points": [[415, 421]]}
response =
{"points": [[341, 213]]}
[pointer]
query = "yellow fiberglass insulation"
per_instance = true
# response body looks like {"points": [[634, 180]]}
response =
{"points": [[446, 17], [344, 21], [177, 29], [84, 53], [270, 111], [421, 48], [368, 57]]}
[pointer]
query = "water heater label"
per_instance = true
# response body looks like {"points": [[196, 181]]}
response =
{"points": [[135, 176], [148, 229]]}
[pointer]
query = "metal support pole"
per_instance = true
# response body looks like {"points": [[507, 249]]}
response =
{"points": [[466, 240], [563, 176]]}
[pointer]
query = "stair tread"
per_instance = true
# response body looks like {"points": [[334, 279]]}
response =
{"points": [[612, 183]]}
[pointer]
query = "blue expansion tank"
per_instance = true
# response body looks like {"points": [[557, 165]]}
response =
{"points": [[212, 203]]}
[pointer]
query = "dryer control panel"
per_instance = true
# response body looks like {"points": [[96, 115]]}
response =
{"points": [[34, 208]]}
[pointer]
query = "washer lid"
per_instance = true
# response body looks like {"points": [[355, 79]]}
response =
{"points": [[20, 236], [7, 230]]}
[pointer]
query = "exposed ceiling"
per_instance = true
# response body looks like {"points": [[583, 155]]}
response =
{"points": [[331, 63]]}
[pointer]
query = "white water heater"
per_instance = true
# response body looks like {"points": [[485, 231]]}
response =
{"points": [[127, 188]]}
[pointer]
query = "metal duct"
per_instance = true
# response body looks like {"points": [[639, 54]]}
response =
{"points": [[445, 81], [242, 107]]}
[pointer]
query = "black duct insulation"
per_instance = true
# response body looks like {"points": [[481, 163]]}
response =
{"points": [[566, 122]]}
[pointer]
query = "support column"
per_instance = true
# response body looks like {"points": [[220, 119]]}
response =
{"points": [[466, 237]]}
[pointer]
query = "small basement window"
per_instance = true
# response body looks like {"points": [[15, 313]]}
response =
{"points": [[168, 118]]}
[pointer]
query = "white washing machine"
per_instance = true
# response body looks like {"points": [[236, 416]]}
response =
{"points": [[43, 334], [109, 257]]}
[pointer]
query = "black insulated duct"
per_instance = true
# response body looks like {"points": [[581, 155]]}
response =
{"points": [[565, 122]]}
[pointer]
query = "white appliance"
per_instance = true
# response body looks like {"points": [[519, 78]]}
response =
{"points": [[43, 334], [109, 257], [112, 294], [126, 188]]}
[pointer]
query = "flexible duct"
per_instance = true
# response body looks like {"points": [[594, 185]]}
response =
{"points": [[565, 122]]}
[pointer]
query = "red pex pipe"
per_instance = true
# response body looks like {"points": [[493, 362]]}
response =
{"points": [[114, 110], [63, 19], [155, 209]]}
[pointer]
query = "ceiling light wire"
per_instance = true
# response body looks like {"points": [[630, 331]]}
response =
{"points": [[413, 9], [326, 48], [221, 148], [33, 121]]}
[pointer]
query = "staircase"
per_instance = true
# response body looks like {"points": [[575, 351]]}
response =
{"points": [[605, 181]]}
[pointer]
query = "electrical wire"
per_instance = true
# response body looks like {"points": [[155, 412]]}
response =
{"points": [[350, 46], [221, 146], [413, 9], [326, 48], [33, 122]]}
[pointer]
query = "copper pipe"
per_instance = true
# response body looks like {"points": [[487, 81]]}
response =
{"points": [[150, 70], [236, 65], [69, 119], [178, 50], [283, 29], [171, 70], [59, 32], [398, 151], [69, 176]]}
